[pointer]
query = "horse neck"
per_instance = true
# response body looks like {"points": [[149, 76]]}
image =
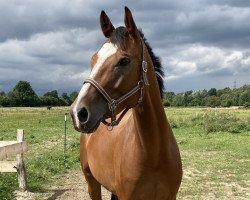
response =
{"points": [[150, 118]]}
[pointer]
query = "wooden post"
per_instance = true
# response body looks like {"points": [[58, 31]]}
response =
{"points": [[65, 137], [21, 171]]}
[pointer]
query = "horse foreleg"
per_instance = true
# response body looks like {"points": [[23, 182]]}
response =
{"points": [[94, 187]]}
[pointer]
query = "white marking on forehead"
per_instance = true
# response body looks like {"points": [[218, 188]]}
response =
{"points": [[107, 50]]}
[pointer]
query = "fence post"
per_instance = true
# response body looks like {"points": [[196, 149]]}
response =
{"points": [[21, 171], [65, 137]]}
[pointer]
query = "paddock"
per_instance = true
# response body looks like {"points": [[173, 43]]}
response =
{"points": [[215, 164]]}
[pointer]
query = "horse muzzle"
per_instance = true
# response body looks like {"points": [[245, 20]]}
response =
{"points": [[84, 121]]}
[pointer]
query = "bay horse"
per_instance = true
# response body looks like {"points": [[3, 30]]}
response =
{"points": [[135, 155]]}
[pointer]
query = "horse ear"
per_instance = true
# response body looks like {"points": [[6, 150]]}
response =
{"points": [[130, 23], [106, 25]]}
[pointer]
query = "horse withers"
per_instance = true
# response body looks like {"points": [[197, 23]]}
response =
{"points": [[133, 154]]}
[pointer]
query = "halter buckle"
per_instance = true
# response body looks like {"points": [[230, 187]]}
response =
{"points": [[144, 66]]}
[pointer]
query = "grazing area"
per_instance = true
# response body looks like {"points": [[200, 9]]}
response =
{"points": [[215, 151], [214, 145], [44, 133]]}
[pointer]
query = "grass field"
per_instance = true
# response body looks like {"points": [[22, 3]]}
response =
{"points": [[214, 145], [215, 164], [44, 133]]}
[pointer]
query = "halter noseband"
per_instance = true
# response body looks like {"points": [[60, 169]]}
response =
{"points": [[112, 103]]}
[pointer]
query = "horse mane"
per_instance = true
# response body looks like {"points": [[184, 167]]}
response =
{"points": [[157, 65], [119, 36]]}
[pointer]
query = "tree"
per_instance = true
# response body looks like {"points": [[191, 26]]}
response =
{"points": [[23, 95], [197, 99], [168, 99], [187, 99], [204, 95], [212, 101], [226, 100], [166, 103], [244, 99], [212, 92], [73, 96], [4, 99], [178, 100], [52, 93], [226, 90], [235, 95], [66, 99], [49, 101], [51, 98]]}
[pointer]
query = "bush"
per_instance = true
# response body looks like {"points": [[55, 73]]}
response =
{"points": [[178, 122], [212, 101], [166, 103], [4, 101], [226, 122], [212, 122], [49, 101]]}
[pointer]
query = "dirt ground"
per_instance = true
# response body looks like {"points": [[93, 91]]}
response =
{"points": [[69, 187], [74, 186]]}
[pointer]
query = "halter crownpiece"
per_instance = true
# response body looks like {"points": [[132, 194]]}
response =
{"points": [[144, 65], [112, 103]]}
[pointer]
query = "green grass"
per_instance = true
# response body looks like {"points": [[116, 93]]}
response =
{"points": [[215, 158], [215, 164], [44, 134]]}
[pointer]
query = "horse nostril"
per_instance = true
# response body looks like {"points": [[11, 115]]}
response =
{"points": [[83, 115]]}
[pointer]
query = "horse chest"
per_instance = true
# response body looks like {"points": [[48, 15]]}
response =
{"points": [[148, 188], [125, 167]]}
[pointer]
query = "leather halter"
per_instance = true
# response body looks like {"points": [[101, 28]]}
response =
{"points": [[112, 103]]}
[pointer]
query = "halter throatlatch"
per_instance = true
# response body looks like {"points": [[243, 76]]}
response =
{"points": [[112, 103]]}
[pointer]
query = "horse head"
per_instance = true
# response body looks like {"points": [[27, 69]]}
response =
{"points": [[115, 82]]}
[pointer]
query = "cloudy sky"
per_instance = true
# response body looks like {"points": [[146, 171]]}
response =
{"points": [[202, 43]]}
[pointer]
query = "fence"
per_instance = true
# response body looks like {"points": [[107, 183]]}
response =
{"points": [[11, 148]]}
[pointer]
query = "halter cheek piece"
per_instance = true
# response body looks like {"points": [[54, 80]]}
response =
{"points": [[112, 103]]}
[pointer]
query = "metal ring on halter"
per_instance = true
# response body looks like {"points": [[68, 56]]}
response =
{"points": [[140, 84]]}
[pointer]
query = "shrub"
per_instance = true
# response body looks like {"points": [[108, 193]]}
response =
{"points": [[166, 103], [226, 122], [212, 122], [178, 122]]}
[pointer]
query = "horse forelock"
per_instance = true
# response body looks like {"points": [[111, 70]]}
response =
{"points": [[119, 38]]}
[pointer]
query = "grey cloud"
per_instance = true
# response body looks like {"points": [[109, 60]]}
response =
{"points": [[49, 43], [199, 81], [223, 27], [21, 19], [238, 3]]}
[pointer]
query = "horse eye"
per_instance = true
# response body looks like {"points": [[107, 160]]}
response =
{"points": [[124, 61]]}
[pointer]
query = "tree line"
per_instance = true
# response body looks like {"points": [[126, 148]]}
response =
{"points": [[22, 95], [210, 98]]}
